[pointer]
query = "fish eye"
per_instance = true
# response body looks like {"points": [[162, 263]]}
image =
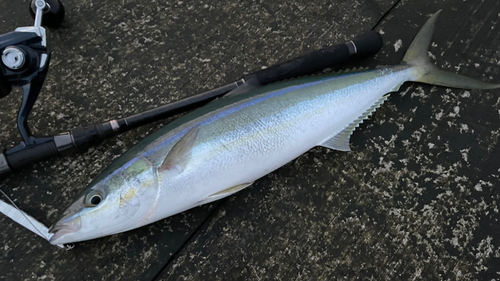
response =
{"points": [[93, 199]]}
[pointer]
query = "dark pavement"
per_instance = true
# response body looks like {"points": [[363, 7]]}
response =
{"points": [[416, 198]]}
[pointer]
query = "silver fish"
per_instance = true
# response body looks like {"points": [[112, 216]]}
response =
{"points": [[225, 146]]}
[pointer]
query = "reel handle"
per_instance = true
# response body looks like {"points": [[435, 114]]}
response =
{"points": [[52, 14]]}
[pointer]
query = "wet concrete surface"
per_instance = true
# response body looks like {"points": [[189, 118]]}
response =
{"points": [[415, 199]]}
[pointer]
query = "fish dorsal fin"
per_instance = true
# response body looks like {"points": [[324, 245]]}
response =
{"points": [[180, 154], [341, 140], [354, 69], [249, 85], [224, 193]]}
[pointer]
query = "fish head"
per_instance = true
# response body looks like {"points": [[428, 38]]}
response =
{"points": [[119, 202]]}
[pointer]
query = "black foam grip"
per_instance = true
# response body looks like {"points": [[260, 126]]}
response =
{"points": [[303, 65], [368, 43], [365, 44], [92, 134], [31, 155]]}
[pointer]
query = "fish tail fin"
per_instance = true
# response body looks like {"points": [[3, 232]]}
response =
{"points": [[426, 72]]}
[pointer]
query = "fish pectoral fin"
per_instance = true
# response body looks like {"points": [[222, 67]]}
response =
{"points": [[180, 154], [223, 193]]}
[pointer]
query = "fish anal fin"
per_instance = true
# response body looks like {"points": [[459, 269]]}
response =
{"points": [[340, 141], [396, 88], [180, 154], [224, 193]]}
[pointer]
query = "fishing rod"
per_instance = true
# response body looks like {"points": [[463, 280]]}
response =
{"points": [[25, 62]]}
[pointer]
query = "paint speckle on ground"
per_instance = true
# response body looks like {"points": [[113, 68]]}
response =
{"points": [[398, 44]]}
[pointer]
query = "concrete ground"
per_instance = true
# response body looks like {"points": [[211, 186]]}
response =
{"points": [[416, 198]]}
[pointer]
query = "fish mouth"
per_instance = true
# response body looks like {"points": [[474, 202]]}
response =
{"points": [[69, 222], [67, 225]]}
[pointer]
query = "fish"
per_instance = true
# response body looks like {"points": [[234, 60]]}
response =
{"points": [[225, 146]]}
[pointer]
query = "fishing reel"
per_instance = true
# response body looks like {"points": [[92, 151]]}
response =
{"points": [[25, 61], [24, 51]]}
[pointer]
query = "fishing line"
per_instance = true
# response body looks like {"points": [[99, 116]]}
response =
{"points": [[24, 215], [28, 218]]}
